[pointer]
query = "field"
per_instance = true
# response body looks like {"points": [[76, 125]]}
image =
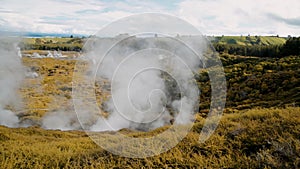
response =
{"points": [[260, 127]]}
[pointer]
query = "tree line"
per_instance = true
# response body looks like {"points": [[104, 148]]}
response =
{"points": [[291, 47]]}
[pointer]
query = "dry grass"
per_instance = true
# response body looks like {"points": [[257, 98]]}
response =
{"points": [[258, 138], [51, 90]]}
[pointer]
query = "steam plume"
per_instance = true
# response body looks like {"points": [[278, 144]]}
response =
{"points": [[11, 76], [151, 81]]}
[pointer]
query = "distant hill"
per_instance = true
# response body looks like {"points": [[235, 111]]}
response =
{"points": [[260, 46], [38, 35], [237, 40], [249, 40]]}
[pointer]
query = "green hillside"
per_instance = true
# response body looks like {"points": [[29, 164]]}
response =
{"points": [[249, 40]]}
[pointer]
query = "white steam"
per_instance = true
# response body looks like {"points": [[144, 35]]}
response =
{"points": [[8, 118], [62, 120], [11, 76], [152, 82]]}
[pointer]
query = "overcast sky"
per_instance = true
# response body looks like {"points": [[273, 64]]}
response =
{"points": [[211, 17]]}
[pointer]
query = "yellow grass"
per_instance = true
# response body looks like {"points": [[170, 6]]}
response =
{"points": [[255, 138], [258, 138]]}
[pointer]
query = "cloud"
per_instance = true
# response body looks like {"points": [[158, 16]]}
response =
{"points": [[289, 21], [87, 11], [210, 16], [240, 17]]}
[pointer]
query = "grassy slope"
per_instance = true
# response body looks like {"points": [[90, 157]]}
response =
{"points": [[251, 40], [258, 138], [256, 82], [272, 40]]}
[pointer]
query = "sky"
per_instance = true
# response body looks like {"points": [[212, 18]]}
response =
{"points": [[211, 17]]}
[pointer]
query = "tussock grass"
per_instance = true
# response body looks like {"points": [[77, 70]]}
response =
{"points": [[257, 138]]}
